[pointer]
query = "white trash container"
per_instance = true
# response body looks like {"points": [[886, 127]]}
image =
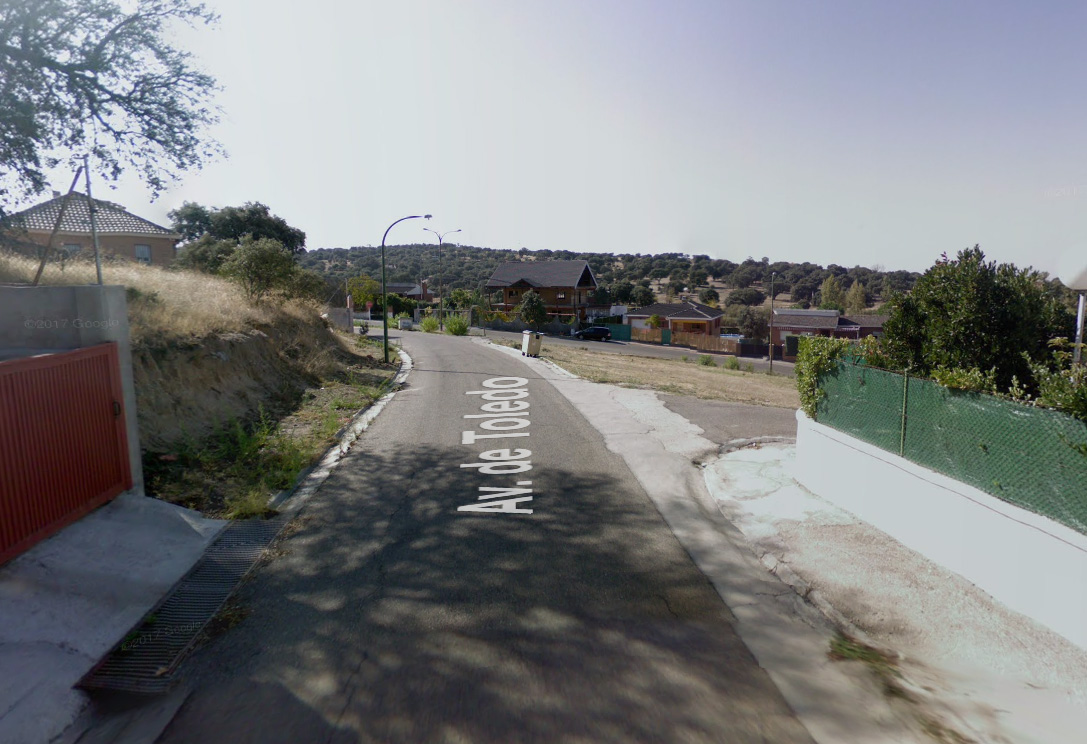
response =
{"points": [[405, 324], [530, 343]]}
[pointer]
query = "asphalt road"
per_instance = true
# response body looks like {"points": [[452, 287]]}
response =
{"points": [[392, 616]]}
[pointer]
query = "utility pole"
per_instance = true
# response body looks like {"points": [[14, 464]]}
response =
{"points": [[773, 274]]}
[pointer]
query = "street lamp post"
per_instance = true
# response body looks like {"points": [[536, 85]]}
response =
{"points": [[441, 301], [384, 297]]}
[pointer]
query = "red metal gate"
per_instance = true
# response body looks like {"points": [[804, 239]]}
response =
{"points": [[63, 443]]}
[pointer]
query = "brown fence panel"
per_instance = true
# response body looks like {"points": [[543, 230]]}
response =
{"points": [[703, 342], [646, 335], [63, 445]]}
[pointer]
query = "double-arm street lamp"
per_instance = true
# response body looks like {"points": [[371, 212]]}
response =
{"points": [[384, 297], [441, 303]]}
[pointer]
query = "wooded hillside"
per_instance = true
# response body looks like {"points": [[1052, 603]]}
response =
{"points": [[469, 267]]}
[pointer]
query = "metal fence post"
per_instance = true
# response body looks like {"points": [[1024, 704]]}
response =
{"points": [[905, 400]]}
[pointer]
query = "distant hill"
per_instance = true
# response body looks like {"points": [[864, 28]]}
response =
{"points": [[469, 267]]}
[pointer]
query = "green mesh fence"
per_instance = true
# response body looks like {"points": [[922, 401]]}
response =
{"points": [[619, 332], [1031, 457]]}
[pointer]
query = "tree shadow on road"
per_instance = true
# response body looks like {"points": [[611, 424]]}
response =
{"points": [[399, 618]]}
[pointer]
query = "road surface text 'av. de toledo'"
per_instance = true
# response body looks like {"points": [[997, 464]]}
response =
{"points": [[505, 416]]}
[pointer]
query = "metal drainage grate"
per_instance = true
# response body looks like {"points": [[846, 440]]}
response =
{"points": [[146, 660]]}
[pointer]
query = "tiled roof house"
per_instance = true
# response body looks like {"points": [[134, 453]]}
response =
{"points": [[410, 289], [681, 317], [120, 233], [565, 286], [791, 322]]}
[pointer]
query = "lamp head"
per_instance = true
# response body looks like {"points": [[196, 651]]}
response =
{"points": [[427, 216]]}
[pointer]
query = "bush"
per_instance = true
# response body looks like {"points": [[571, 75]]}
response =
{"points": [[706, 360], [749, 296], [260, 266], [429, 324], [816, 356], [532, 309], [732, 363], [971, 314], [456, 325]]}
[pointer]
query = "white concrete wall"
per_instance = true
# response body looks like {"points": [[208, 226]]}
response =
{"points": [[1032, 564], [36, 320]]}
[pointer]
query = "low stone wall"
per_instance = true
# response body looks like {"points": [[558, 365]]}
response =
{"points": [[1032, 564]]}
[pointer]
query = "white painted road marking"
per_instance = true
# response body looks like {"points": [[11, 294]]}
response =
{"points": [[506, 413]]}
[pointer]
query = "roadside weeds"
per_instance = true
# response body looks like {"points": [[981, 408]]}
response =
{"points": [[233, 473]]}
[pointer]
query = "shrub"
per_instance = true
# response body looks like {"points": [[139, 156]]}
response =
{"points": [[816, 356], [532, 309], [260, 266], [732, 363], [749, 367], [706, 360], [747, 296], [456, 325], [971, 314], [429, 324]]}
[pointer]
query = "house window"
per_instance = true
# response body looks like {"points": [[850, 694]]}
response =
{"points": [[560, 295], [72, 248], [143, 254]]}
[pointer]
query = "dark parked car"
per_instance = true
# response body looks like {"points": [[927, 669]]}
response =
{"points": [[596, 333]]}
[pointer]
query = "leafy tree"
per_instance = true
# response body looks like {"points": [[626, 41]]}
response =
{"points": [[831, 296], [191, 220], [207, 255], [655, 321], [779, 287], [749, 296], [363, 289], [233, 223], [621, 291], [755, 324], [600, 296], [100, 77], [804, 289], [856, 299], [744, 276], [697, 276], [460, 299], [709, 296], [642, 297], [260, 266], [307, 285], [532, 309], [969, 314]]}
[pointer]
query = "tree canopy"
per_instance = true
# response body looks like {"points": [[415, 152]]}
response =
{"points": [[92, 77], [970, 314], [196, 222], [532, 309]]}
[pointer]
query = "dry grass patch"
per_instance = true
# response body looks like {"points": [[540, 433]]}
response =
{"points": [[676, 376], [163, 305]]}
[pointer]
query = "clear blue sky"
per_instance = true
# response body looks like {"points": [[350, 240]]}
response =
{"points": [[871, 133]]}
